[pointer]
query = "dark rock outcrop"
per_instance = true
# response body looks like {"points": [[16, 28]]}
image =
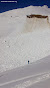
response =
{"points": [[37, 16]]}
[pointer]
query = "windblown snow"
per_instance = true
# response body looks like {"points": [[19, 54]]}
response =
{"points": [[23, 38]]}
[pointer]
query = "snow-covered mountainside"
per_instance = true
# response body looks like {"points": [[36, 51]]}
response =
{"points": [[24, 36]]}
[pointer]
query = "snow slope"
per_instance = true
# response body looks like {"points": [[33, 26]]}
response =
{"points": [[22, 38], [34, 75]]}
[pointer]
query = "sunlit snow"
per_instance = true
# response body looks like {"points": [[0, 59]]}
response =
{"points": [[22, 38]]}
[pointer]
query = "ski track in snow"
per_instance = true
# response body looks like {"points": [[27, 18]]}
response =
{"points": [[34, 81], [38, 78]]}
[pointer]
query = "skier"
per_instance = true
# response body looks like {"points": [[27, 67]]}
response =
{"points": [[28, 61]]}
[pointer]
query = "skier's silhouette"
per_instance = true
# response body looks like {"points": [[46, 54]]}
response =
{"points": [[28, 61]]}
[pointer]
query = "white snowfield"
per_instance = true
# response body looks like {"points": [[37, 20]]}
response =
{"points": [[23, 38], [34, 75]]}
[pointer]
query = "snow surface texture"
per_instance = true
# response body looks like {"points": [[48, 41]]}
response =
{"points": [[34, 75], [22, 38]]}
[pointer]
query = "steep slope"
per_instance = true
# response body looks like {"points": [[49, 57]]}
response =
{"points": [[23, 38]]}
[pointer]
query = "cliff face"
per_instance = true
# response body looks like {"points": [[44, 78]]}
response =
{"points": [[37, 16], [36, 22]]}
